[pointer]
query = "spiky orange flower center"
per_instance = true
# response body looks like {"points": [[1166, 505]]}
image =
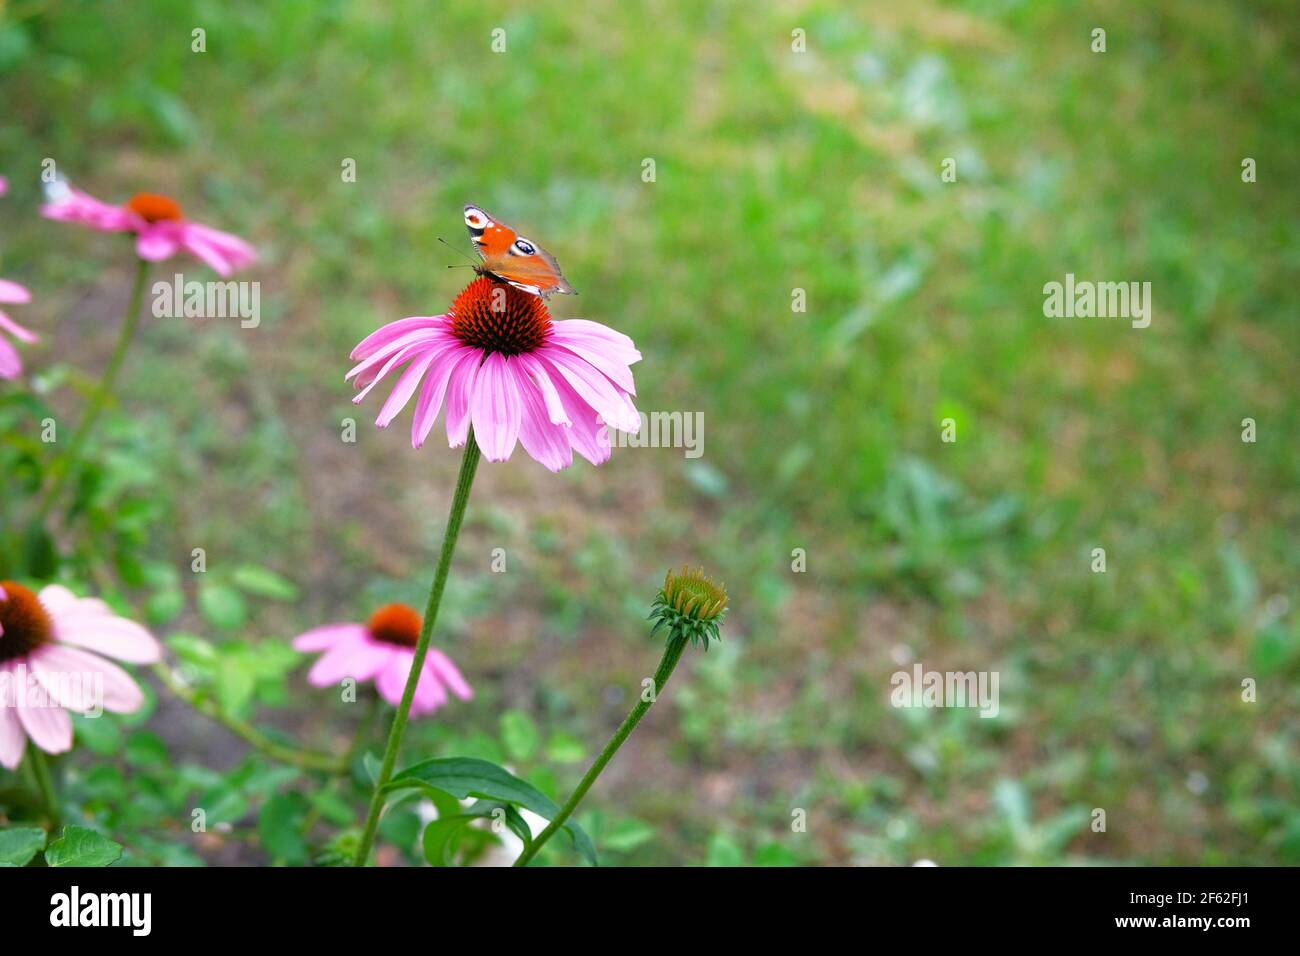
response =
{"points": [[395, 624], [26, 623], [497, 317], [151, 207]]}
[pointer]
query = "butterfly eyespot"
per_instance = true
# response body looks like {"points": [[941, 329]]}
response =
{"points": [[475, 219], [524, 247]]}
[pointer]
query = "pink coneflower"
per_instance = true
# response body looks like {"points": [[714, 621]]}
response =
{"points": [[159, 226], [506, 368], [11, 366], [47, 668], [383, 648]]}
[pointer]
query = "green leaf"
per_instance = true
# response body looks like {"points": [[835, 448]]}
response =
{"points": [[144, 748], [468, 777], [81, 846], [441, 837], [724, 851], [222, 606], [627, 835], [164, 605], [19, 845], [264, 582], [194, 650], [565, 748], [519, 735], [279, 823]]}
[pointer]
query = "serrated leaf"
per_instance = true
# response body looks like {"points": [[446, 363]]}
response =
{"points": [[464, 777], [81, 846], [19, 844]]}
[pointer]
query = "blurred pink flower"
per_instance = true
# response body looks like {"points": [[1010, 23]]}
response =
{"points": [[11, 366], [503, 365], [47, 667], [159, 226], [383, 649]]}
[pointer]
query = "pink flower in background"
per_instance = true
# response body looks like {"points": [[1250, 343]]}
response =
{"points": [[161, 230], [11, 366], [50, 663], [505, 367], [383, 649]]}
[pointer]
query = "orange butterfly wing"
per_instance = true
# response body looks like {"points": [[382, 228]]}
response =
{"points": [[511, 258]]}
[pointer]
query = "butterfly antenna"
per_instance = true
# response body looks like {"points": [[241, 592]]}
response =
{"points": [[457, 250]]}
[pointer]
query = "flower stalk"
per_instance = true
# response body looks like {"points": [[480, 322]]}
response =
{"points": [[459, 501], [692, 607], [67, 465]]}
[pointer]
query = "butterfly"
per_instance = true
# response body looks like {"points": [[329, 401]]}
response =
{"points": [[509, 257]]}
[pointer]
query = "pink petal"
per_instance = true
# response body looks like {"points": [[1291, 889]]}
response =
{"points": [[591, 384], [435, 387], [429, 693], [547, 442], [106, 633], [459, 389], [16, 330], [122, 695], [326, 636], [154, 245], [358, 658], [588, 436], [385, 334], [12, 292], [541, 378], [12, 736], [49, 727], [448, 673], [11, 364], [594, 353], [224, 252], [496, 408], [391, 681], [404, 389]]}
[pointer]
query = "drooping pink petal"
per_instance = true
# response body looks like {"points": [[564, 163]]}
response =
{"points": [[386, 334], [460, 387], [11, 293], [547, 442], [429, 692], [106, 633], [391, 681], [11, 363], [449, 673], [588, 435], [496, 409], [594, 352], [122, 695], [435, 387], [542, 379], [356, 657], [16, 330], [326, 636], [594, 388], [224, 252], [49, 727], [12, 736], [155, 245]]}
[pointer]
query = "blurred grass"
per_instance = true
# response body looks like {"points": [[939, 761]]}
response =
{"points": [[775, 171]]}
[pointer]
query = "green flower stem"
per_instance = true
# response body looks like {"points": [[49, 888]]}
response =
{"points": [[255, 738], [672, 654], [66, 467], [468, 465], [44, 783]]}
